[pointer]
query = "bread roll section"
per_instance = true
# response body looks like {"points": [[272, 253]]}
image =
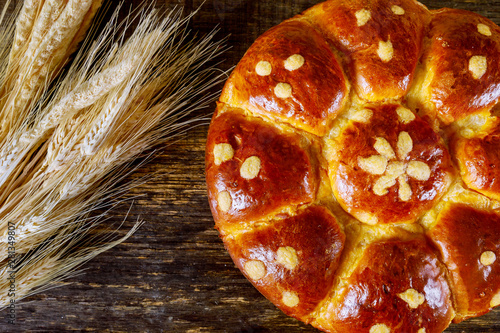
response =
{"points": [[304, 83], [397, 284], [270, 170], [298, 257], [381, 42], [468, 239], [462, 72], [387, 170], [479, 161]]}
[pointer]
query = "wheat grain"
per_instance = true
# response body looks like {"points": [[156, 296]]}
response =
{"points": [[8, 156], [59, 35], [36, 271], [32, 230], [99, 164], [60, 145], [25, 228], [113, 110], [7, 39], [81, 97]]}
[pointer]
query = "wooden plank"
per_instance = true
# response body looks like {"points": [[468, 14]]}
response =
{"points": [[174, 274]]}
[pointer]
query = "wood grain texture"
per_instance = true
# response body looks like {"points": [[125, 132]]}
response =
{"points": [[174, 274]]}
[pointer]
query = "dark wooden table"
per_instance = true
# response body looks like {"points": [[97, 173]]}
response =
{"points": [[173, 274]]}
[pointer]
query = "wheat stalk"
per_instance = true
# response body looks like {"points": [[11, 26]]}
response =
{"points": [[68, 145]]}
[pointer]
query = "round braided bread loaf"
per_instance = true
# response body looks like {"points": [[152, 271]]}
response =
{"points": [[353, 166]]}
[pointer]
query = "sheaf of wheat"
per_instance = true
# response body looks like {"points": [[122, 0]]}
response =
{"points": [[72, 121]]}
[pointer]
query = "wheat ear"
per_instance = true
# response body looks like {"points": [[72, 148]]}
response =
{"points": [[50, 264], [49, 13], [84, 28], [24, 24]]}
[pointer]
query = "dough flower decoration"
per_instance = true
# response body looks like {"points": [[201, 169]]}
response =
{"points": [[394, 166]]}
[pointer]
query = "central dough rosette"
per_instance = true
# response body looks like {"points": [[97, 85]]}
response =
{"points": [[386, 164]]}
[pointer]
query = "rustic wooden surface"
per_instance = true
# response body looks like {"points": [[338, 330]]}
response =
{"points": [[174, 275]]}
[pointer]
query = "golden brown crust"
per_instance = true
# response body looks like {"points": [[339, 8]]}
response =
{"points": [[294, 158], [356, 188], [311, 243], [454, 39], [462, 234], [375, 78], [479, 162], [286, 176], [308, 107], [401, 285]]}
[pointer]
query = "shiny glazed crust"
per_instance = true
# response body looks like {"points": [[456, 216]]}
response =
{"points": [[353, 168]]}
